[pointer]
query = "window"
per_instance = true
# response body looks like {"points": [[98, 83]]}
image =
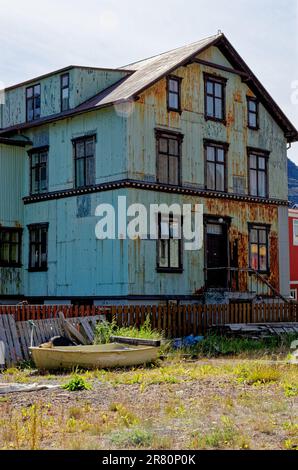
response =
{"points": [[169, 257], [215, 98], [215, 156], [252, 113], [168, 158], [10, 246], [84, 152], [38, 242], [38, 170], [258, 248], [295, 232], [258, 177], [65, 92], [33, 102], [293, 294], [174, 94]]}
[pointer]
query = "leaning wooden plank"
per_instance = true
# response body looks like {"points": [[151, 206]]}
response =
{"points": [[15, 338], [135, 341], [88, 331], [10, 345], [71, 330], [3, 338], [21, 334]]}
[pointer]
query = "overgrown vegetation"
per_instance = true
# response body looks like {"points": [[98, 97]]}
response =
{"points": [[216, 345], [104, 330], [77, 383]]}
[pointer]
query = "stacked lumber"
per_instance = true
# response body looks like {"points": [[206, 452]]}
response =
{"points": [[255, 330]]}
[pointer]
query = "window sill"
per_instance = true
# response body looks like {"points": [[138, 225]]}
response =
{"points": [[174, 110], [170, 270], [37, 270], [260, 197], [17, 266], [38, 193], [263, 273], [221, 121], [253, 128], [225, 191]]}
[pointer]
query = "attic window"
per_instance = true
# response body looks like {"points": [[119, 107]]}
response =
{"points": [[174, 94], [215, 99], [252, 113], [33, 102]]}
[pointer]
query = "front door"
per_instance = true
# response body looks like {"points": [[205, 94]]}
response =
{"points": [[217, 255]]}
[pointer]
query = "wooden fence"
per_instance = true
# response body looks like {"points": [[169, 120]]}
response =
{"points": [[47, 312], [175, 321], [179, 321]]}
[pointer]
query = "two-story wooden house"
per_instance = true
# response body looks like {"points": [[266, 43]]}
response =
{"points": [[190, 126]]}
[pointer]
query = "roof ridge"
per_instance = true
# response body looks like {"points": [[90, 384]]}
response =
{"points": [[172, 50]]}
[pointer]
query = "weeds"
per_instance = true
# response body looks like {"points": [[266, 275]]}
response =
{"points": [[136, 438], [225, 435], [215, 345], [77, 383], [258, 374], [104, 330], [291, 390]]}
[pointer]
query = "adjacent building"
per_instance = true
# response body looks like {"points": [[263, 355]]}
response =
{"points": [[293, 238], [190, 126]]}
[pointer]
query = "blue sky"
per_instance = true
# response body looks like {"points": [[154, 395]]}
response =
{"points": [[40, 36]]}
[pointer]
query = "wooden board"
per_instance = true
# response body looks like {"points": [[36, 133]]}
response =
{"points": [[10, 338]]}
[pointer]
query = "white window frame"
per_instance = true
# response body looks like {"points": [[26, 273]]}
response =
{"points": [[295, 236], [293, 293]]}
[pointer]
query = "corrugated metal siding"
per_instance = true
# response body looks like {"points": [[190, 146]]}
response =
{"points": [[11, 209], [12, 183], [83, 84]]}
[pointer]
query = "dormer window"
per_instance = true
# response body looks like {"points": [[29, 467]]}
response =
{"points": [[33, 102], [174, 94], [252, 113], [65, 92]]}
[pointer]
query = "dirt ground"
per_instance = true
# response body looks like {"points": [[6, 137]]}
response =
{"points": [[177, 404]]}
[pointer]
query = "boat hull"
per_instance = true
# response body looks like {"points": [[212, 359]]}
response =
{"points": [[93, 357]]}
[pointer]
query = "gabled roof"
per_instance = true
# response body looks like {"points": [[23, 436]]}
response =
{"points": [[149, 71], [145, 73], [61, 71]]}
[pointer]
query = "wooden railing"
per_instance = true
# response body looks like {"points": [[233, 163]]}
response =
{"points": [[232, 281]]}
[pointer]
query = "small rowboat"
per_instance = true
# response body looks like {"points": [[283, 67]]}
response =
{"points": [[93, 357]]}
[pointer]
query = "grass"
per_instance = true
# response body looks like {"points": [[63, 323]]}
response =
{"points": [[77, 383], [215, 346], [222, 436], [215, 403], [134, 438], [258, 374], [104, 330]]}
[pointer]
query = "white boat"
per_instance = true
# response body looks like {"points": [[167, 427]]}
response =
{"points": [[93, 357]]}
